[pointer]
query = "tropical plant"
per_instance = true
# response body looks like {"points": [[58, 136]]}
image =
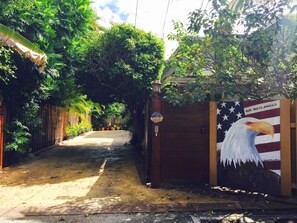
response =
{"points": [[12, 39], [77, 129], [81, 107], [115, 110]]}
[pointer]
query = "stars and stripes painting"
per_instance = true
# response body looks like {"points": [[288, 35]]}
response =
{"points": [[249, 132]]}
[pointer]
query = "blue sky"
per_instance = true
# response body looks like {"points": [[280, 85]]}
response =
{"points": [[150, 15], [113, 6]]}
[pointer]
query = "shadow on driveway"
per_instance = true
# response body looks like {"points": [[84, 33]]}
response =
{"points": [[97, 173]]}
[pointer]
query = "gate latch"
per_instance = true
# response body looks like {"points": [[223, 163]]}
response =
{"points": [[202, 129], [156, 130]]}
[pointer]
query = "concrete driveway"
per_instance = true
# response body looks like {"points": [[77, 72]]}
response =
{"points": [[97, 173]]}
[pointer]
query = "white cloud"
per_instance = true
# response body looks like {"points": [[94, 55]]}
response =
{"points": [[127, 6], [150, 14]]}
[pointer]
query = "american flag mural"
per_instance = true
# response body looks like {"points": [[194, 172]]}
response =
{"points": [[268, 146]]}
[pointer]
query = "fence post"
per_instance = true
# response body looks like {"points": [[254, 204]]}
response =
{"points": [[285, 131], [156, 141], [294, 144], [1, 134], [213, 143]]}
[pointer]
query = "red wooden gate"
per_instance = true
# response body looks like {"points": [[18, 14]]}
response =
{"points": [[180, 148], [185, 144]]}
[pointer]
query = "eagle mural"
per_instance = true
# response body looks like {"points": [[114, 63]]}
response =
{"points": [[249, 146], [239, 143]]}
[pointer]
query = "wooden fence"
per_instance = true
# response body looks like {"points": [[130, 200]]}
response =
{"points": [[1, 140], [288, 145], [54, 120], [1, 133], [293, 121], [52, 131]]}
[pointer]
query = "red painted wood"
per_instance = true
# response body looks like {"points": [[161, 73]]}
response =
{"points": [[156, 162], [1, 140], [1, 134], [156, 102], [156, 146], [184, 152]]}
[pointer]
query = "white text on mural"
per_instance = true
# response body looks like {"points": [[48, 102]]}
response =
{"points": [[262, 107]]}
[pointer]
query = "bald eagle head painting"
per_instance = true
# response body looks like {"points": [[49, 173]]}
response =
{"points": [[239, 144], [248, 142]]}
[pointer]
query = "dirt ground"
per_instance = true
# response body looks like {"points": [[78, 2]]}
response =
{"points": [[91, 173], [95, 173]]}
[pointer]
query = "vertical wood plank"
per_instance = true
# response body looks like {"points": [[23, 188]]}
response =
{"points": [[147, 143], [61, 124], [156, 147], [213, 143], [295, 158], [156, 168], [286, 184], [2, 114], [1, 140]]}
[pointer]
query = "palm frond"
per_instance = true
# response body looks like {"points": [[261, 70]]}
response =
{"points": [[236, 5], [80, 106], [12, 39]]}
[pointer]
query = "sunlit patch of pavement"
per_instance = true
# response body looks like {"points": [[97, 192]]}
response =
{"points": [[24, 199]]}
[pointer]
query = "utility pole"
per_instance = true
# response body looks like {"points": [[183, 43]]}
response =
{"points": [[136, 12], [168, 3]]}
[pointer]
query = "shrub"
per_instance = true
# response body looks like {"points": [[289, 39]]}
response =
{"points": [[77, 129], [17, 137]]}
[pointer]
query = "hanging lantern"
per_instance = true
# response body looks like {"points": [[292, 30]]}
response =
{"points": [[157, 117], [157, 86]]}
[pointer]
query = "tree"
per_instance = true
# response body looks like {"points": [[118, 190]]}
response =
{"points": [[55, 26], [231, 54], [120, 65]]}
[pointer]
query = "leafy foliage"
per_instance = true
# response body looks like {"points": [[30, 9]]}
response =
{"points": [[120, 65], [7, 68], [226, 53], [111, 111], [55, 26], [81, 107], [77, 129], [17, 137]]}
